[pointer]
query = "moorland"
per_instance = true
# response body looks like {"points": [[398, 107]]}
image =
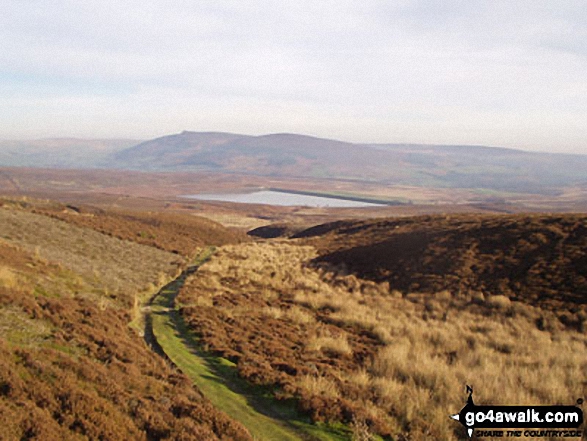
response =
{"points": [[72, 364], [130, 312], [194, 162], [378, 324]]}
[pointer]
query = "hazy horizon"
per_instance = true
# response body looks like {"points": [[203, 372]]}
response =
{"points": [[138, 141], [501, 74]]}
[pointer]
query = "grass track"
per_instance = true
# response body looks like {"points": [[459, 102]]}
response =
{"points": [[264, 417]]}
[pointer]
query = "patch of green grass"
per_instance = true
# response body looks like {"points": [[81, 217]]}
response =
{"points": [[146, 235], [69, 349], [203, 256], [42, 292], [265, 417], [19, 329]]}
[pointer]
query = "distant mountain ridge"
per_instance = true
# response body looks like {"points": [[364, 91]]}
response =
{"points": [[302, 156], [61, 152], [291, 155]]}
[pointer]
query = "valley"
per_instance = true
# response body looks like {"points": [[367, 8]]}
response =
{"points": [[355, 329], [293, 221], [384, 360], [128, 311]]}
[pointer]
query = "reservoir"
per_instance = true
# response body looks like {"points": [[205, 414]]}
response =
{"points": [[272, 197]]}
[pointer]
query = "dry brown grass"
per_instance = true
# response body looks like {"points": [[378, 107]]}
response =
{"points": [[8, 278], [431, 356], [273, 312], [425, 347], [100, 265], [319, 386], [328, 343], [179, 233], [300, 316]]}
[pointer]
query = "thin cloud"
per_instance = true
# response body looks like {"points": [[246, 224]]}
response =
{"points": [[474, 72]]}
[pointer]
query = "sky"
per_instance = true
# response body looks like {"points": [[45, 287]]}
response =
{"points": [[499, 73]]}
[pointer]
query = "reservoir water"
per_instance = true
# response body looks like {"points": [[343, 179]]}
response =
{"points": [[272, 197]]}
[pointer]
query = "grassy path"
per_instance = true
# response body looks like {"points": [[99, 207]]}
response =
{"points": [[264, 417]]}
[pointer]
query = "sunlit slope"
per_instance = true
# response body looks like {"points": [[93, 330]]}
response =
{"points": [[179, 234], [110, 266], [353, 351], [70, 365]]}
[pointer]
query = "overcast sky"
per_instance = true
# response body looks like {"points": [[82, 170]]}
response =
{"points": [[504, 73]]}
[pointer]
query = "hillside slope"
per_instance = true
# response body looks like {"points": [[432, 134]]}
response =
{"points": [[350, 350], [179, 234], [537, 259], [71, 367]]}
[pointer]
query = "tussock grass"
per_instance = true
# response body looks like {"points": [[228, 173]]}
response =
{"points": [[428, 345], [335, 344], [298, 315], [319, 386], [273, 312], [429, 358], [8, 278], [499, 302]]}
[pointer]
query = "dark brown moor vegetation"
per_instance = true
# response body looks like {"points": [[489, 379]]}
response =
{"points": [[378, 324], [539, 259]]}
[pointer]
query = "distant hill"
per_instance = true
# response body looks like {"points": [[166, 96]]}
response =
{"points": [[277, 155], [61, 152], [289, 155], [298, 156]]}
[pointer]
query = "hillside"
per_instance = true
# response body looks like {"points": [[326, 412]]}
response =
{"points": [[348, 350], [495, 173], [365, 327], [273, 155], [71, 366], [293, 155], [179, 234], [538, 259]]}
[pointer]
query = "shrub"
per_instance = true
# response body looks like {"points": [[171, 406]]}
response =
{"points": [[498, 302], [336, 345]]}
